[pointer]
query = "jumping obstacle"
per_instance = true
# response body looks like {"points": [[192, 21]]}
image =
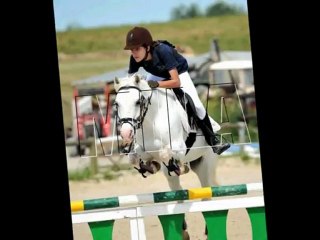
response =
{"points": [[101, 213]]}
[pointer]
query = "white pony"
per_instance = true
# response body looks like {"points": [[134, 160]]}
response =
{"points": [[154, 128]]}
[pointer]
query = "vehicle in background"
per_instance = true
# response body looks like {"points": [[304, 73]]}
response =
{"points": [[91, 110], [91, 107], [224, 75]]}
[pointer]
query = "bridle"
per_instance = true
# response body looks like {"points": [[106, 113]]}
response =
{"points": [[144, 105]]}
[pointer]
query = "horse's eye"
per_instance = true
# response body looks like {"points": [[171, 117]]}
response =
{"points": [[138, 102], [115, 104]]}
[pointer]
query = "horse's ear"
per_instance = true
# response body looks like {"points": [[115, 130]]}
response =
{"points": [[136, 79], [116, 83]]}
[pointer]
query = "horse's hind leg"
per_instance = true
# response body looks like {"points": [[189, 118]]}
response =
{"points": [[185, 234], [206, 171], [206, 168]]}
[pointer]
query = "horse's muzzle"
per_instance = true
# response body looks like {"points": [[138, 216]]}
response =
{"points": [[126, 133], [125, 148]]}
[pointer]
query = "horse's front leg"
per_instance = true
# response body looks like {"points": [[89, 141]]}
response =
{"points": [[173, 158], [143, 162]]}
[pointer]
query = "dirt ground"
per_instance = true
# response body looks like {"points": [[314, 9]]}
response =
{"points": [[229, 171]]}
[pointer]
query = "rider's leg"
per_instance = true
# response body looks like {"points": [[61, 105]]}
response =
{"points": [[211, 137], [204, 121]]}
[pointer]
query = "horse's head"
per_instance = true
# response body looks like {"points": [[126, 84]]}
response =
{"points": [[132, 100]]}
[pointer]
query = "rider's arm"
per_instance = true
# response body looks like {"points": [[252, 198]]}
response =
{"points": [[174, 81]]}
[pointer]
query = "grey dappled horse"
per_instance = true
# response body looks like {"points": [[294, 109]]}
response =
{"points": [[154, 128]]}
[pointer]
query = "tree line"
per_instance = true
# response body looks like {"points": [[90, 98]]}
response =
{"points": [[217, 9]]}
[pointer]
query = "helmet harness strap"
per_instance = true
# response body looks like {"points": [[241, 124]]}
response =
{"points": [[147, 52]]}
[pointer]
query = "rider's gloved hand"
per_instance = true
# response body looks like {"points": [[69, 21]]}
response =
{"points": [[153, 84]]}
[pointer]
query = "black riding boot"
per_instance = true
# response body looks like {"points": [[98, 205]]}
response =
{"points": [[211, 137]]}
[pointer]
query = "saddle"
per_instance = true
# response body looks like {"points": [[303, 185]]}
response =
{"points": [[188, 105]]}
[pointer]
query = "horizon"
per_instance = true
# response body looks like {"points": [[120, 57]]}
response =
{"points": [[85, 14]]}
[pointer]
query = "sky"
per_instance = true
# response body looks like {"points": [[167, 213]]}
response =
{"points": [[97, 13]]}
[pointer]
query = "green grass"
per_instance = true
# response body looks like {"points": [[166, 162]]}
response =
{"points": [[79, 175], [232, 31], [106, 173], [87, 52]]}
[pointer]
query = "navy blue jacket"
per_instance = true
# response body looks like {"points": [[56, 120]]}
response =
{"points": [[164, 59]]}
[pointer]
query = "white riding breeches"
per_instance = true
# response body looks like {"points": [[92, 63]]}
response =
{"points": [[188, 87]]}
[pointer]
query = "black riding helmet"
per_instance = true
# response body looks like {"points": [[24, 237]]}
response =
{"points": [[138, 36]]}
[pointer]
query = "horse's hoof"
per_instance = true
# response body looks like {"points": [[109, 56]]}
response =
{"points": [[145, 168], [142, 171], [156, 166], [184, 169], [177, 172], [173, 167]]}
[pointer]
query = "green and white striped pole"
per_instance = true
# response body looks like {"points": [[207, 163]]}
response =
{"points": [[160, 197]]}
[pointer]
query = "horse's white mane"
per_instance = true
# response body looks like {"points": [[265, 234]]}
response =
{"points": [[131, 80]]}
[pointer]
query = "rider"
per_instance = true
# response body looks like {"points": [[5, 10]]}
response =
{"points": [[168, 69]]}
